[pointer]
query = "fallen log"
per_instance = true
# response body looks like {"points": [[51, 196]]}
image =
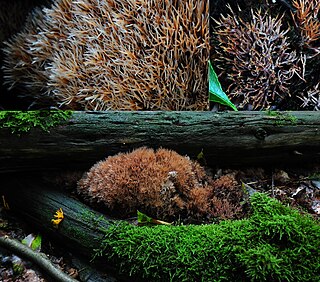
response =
{"points": [[81, 227], [226, 138], [81, 230]]}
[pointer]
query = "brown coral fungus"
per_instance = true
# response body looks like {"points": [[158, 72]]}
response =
{"points": [[112, 54], [311, 99], [254, 58], [161, 183], [306, 18]]}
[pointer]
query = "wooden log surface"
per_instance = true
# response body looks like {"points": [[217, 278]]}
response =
{"points": [[225, 138], [36, 203]]}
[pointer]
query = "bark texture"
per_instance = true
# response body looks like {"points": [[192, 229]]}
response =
{"points": [[226, 138]]}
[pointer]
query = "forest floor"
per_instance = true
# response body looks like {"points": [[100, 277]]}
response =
{"points": [[297, 187]]}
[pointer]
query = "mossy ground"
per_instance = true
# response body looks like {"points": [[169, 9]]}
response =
{"points": [[276, 243]]}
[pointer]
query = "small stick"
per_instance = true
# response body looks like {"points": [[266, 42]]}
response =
{"points": [[39, 259], [272, 183]]}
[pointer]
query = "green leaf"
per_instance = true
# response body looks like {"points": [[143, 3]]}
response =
{"points": [[216, 93], [33, 242], [143, 219], [147, 220], [36, 243]]}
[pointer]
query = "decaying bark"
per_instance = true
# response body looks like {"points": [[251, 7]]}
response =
{"points": [[226, 138]]}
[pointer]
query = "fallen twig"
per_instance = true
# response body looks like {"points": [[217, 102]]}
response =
{"points": [[37, 258]]}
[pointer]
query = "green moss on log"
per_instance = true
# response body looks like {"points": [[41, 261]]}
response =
{"points": [[283, 118], [275, 244], [24, 121]]}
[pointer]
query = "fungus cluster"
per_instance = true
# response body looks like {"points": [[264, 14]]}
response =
{"points": [[112, 54], [307, 24], [306, 19], [267, 56], [162, 184], [255, 58]]}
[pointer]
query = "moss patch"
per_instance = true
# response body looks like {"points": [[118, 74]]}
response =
{"points": [[275, 244], [24, 121], [282, 118]]}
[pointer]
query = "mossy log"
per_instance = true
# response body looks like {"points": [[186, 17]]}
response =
{"points": [[36, 203], [225, 138], [82, 228]]}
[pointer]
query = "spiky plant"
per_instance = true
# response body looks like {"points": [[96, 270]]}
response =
{"points": [[254, 58], [112, 54]]}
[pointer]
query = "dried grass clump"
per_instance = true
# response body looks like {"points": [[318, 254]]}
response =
{"points": [[162, 184], [112, 54], [254, 58]]}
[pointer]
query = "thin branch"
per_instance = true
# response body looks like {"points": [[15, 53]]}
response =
{"points": [[38, 259]]}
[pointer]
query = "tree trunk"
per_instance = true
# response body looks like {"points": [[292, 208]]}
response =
{"points": [[226, 138]]}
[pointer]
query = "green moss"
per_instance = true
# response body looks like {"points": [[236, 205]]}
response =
{"points": [[90, 217], [24, 121], [275, 244], [282, 118]]}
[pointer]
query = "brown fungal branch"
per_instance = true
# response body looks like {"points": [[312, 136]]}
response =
{"points": [[307, 23], [162, 184], [268, 57], [255, 57], [306, 18]]}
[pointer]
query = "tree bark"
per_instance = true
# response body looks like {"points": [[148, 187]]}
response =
{"points": [[226, 138]]}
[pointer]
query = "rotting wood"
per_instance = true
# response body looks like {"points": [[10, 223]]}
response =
{"points": [[225, 138]]}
